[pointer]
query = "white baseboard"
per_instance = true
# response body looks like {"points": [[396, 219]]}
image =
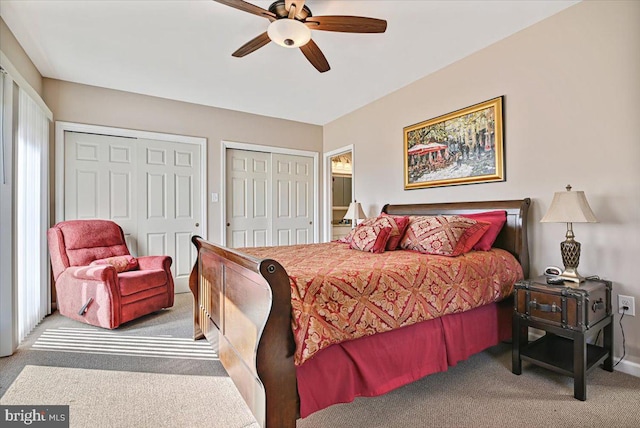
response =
{"points": [[628, 367]]}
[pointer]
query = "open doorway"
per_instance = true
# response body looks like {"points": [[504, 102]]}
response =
{"points": [[339, 191]]}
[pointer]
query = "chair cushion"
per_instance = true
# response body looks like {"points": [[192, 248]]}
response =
{"points": [[120, 263], [139, 280], [90, 233], [88, 240]]}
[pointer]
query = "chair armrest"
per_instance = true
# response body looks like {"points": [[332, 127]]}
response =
{"points": [[101, 273], [77, 284], [154, 262], [102, 277]]}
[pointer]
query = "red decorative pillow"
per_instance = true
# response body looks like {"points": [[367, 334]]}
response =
{"points": [[497, 219], [347, 239], [443, 235], [370, 238], [121, 263], [398, 226]]}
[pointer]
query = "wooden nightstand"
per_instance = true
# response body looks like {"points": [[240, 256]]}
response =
{"points": [[568, 316]]}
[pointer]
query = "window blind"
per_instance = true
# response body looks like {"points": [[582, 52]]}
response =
{"points": [[32, 214], [3, 174], [8, 328]]}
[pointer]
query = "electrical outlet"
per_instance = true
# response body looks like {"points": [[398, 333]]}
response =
{"points": [[629, 302]]}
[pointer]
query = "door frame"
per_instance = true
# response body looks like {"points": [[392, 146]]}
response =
{"points": [[328, 194], [266, 149], [62, 127]]}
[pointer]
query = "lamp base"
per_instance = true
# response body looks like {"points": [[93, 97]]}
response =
{"points": [[570, 250], [572, 276]]}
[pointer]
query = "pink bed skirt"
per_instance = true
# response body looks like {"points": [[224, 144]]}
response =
{"points": [[377, 364]]}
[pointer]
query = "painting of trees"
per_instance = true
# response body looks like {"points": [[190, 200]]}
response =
{"points": [[459, 147]]}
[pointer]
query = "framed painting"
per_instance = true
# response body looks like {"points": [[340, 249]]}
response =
{"points": [[462, 147]]}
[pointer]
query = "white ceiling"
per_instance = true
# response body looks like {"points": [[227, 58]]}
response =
{"points": [[181, 50]]}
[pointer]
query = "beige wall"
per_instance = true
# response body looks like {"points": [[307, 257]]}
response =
{"points": [[71, 102], [14, 52], [572, 114]]}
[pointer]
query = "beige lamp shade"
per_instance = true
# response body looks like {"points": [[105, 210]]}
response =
{"points": [[569, 207], [354, 212]]}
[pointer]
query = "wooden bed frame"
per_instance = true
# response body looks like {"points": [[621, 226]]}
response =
{"points": [[244, 304]]}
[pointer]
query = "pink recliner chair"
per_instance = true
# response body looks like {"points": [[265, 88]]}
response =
{"points": [[97, 280]]}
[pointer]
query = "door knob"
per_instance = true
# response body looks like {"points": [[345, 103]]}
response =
{"points": [[197, 224], [228, 224]]}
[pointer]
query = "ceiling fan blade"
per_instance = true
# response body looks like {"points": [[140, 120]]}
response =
{"points": [[247, 7], [252, 45], [315, 56], [347, 24]]}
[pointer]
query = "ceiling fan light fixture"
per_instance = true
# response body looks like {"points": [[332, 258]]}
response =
{"points": [[289, 33]]}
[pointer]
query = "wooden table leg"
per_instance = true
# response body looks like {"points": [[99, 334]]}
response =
{"points": [[580, 366], [520, 338], [607, 343]]}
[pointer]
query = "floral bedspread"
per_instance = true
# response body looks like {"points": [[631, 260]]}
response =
{"points": [[339, 294]]}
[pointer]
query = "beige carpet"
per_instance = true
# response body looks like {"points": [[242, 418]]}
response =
{"points": [[149, 374], [106, 398], [481, 392]]}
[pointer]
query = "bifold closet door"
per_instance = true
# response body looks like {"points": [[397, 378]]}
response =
{"points": [[100, 180], [292, 187], [248, 201], [269, 199], [150, 188], [169, 203]]}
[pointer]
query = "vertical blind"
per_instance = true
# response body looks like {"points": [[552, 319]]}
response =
{"points": [[3, 177], [32, 214], [8, 329]]}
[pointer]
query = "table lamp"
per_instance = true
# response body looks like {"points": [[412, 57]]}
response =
{"points": [[354, 213], [570, 207]]}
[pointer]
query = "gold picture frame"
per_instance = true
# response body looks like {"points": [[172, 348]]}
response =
{"points": [[462, 147]]}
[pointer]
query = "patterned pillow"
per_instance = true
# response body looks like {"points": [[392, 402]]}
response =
{"points": [[370, 238], [347, 239], [443, 235], [398, 226], [121, 263]]}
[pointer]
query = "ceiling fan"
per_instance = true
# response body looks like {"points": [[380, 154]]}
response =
{"points": [[291, 25]]}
